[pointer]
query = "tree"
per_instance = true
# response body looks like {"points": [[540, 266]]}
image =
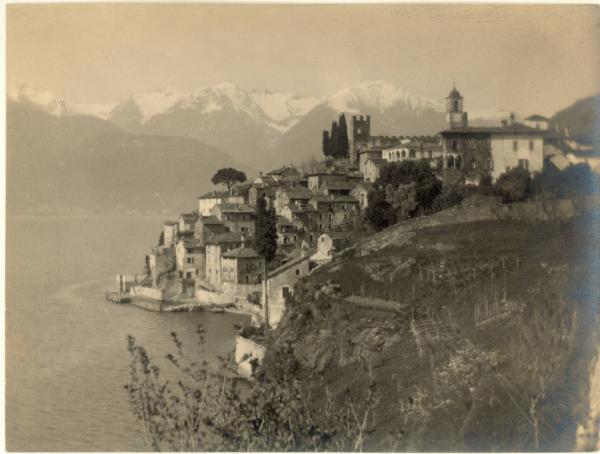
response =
{"points": [[228, 177], [204, 410], [379, 212], [326, 144], [266, 245], [333, 140], [576, 180], [514, 185], [342, 140]]}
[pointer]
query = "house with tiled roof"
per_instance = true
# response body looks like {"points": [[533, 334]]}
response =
{"points": [[285, 173], [335, 188], [207, 226], [190, 258], [237, 217], [240, 267], [216, 246], [296, 196], [207, 201], [537, 121], [334, 211]]}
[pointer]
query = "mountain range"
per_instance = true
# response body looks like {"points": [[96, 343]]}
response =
{"points": [[143, 141], [258, 127]]}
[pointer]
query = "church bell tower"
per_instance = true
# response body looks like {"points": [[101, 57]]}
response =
{"points": [[455, 117]]}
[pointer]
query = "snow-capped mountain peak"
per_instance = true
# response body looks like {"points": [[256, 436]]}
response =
{"points": [[378, 96]]}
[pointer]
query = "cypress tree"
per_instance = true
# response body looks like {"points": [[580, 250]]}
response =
{"points": [[326, 144], [266, 245], [333, 140], [342, 141]]}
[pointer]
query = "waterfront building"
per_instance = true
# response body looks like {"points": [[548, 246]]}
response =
{"points": [[190, 258], [215, 247]]}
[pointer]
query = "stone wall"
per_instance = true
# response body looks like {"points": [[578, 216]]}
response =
{"points": [[147, 292]]}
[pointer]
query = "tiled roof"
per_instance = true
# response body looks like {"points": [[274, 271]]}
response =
{"points": [[193, 243], [235, 208], [339, 185], [189, 216], [242, 252], [298, 192], [227, 237], [291, 263], [210, 220], [170, 223], [343, 199], [214, 195], [516, 128]]}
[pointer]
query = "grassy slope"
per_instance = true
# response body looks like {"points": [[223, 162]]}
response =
{"points": [[334, 339]]}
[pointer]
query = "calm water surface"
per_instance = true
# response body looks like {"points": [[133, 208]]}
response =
{"points": [[66, 357]]}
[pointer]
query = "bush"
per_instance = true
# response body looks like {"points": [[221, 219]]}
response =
{"points": [[576, 180], [449, 197], [514, 185], [379, 213]]}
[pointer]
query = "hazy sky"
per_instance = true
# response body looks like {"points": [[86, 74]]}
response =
{"points": [[526, 58]]}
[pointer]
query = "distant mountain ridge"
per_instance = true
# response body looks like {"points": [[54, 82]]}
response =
{"points": [[81, 163], [260, 127], [581, 119]]}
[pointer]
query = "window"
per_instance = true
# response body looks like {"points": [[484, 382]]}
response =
{"points": [[188, 275], [190, 260], [455, 106], [491, 164], [454, 145], [403, 154], [189, 251], [515, 145], [297, 272], [412, 153], [524, 164], [531, 145]]}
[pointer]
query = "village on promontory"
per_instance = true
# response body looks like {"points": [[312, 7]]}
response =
{"points": [[211, 258]]}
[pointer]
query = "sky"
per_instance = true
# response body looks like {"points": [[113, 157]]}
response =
{"points": [[527, 58]]}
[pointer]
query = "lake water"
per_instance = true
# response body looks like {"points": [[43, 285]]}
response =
{"points": [[66, 357]]}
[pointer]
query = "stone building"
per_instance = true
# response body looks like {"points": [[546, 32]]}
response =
{"points": [[240, 266], [237, 217], [169, 232], [361, 193], [474, 152], [190, 258], [215, 247]]}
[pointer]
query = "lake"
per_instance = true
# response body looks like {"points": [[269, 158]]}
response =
{"points": [[66, 356]]}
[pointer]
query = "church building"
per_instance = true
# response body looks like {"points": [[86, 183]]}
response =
{"points": [[478, 151]]}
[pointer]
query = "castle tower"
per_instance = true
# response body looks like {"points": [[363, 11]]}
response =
{"points": [[455, 116], [361, 133]]}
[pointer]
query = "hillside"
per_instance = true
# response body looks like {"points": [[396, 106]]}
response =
{"points": [[78, 163], [583, 120], [447, 321]]}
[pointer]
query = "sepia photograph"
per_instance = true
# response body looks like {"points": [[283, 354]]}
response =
{"points": [[302, 227]]}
